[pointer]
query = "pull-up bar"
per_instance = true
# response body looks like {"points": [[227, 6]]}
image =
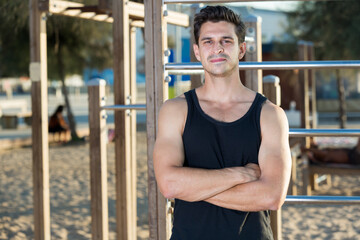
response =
{"points": [[293, 132], [322, 200], [197, 68], [125, 107], [302, 132]]}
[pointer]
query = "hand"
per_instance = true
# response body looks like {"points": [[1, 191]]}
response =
{"points": [[253, 171]]}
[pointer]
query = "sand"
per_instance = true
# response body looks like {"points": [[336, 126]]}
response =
{"points": [[70, 198]]}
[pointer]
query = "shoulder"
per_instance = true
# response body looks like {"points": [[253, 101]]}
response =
{"points": [[173, 113], [273, 117], [174, 106]]}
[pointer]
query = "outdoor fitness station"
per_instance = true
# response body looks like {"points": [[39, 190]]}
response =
{"points": [[125, 16]]}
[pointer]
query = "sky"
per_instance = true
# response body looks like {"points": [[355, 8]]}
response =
{"points": [[273, 5]]}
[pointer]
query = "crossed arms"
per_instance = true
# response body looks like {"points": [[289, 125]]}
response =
{"points": [[248, 188]]}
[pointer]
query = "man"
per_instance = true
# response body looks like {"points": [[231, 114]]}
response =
{"points": [[222, 150], [334, 155]]}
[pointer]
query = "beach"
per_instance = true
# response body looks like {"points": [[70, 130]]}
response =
{"points": [[70, 198]]}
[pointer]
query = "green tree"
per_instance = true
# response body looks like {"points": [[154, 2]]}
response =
{"points": [[14, 38], [73, 44], [334, 27]]}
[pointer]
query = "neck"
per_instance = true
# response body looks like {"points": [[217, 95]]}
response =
{"points": [[222, 88]]}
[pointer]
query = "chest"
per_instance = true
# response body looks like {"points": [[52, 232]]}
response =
{"points": [[211, 146], [229, 112]]}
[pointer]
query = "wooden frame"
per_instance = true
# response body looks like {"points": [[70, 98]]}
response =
{"points": [[98, 161], [156, 90], [124, 207], [311, 171], [272, 92], [135, 11], [125, 126], [253, 78], [40, 146], [304, 92]]}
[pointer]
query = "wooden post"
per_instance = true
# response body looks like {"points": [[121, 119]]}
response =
{"points": [[125, 222], [292, 186], [132, 100], [304, 91], [98, 165], [306, 177], [155, 30], [272, 92], [195, 79], [311, 57], [253, 78], [40, 146], [272, 89], [275, 222], [105, 5]]}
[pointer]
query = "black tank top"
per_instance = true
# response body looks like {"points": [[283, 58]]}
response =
{"points": [[212, 144]]}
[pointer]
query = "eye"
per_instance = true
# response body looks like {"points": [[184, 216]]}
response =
{"points": [[207, 42]]}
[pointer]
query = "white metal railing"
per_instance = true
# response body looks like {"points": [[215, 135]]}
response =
{"points": [[197, 68], [322, 200], [302, 132], [125, 107]]}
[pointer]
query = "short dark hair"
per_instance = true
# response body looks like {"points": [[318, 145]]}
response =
{"points": [[217, 14]]}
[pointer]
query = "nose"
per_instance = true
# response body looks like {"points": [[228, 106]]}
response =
{"points": [[218, 48]]}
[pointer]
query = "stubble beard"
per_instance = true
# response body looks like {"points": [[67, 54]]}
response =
{"points": [[227, 71]]}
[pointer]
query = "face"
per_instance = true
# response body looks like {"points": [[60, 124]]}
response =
{"points": [[219, 50]]}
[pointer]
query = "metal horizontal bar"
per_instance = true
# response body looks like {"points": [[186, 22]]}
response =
{"points": [[322, 200], [184, 68], [302, 132], [224, 1], [249, 39], [125, 107]]}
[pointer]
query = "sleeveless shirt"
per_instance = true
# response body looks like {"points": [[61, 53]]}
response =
{"points": [[212, 144]]}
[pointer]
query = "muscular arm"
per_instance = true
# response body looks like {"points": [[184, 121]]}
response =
{"points": [[177, 181], [269, 191]]}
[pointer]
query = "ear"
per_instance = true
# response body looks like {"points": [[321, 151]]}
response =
{"points": [[242, 50], [196, 52]]}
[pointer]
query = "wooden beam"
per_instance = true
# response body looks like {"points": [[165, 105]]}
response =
{"points": [[177, 19], [135, 11], [92, 8], [272, 92], [154, 35], [125, 223], [137, 23], [304, 90], [132, 100], [98, 161], [40, 147], [72, 9], [195, 79], [272, 89], [105, 5], [253, 78], [276, 223], [43, 5], [312, 80]]}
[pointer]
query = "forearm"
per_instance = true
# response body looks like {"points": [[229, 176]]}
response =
{"points": [[253, 196], [195, 184]]}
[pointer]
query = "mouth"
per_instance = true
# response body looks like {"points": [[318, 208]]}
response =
{"points": [[216, 60]]}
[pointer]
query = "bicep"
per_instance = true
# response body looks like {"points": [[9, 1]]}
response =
{"points": [[274, 153], [168, 149]]}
